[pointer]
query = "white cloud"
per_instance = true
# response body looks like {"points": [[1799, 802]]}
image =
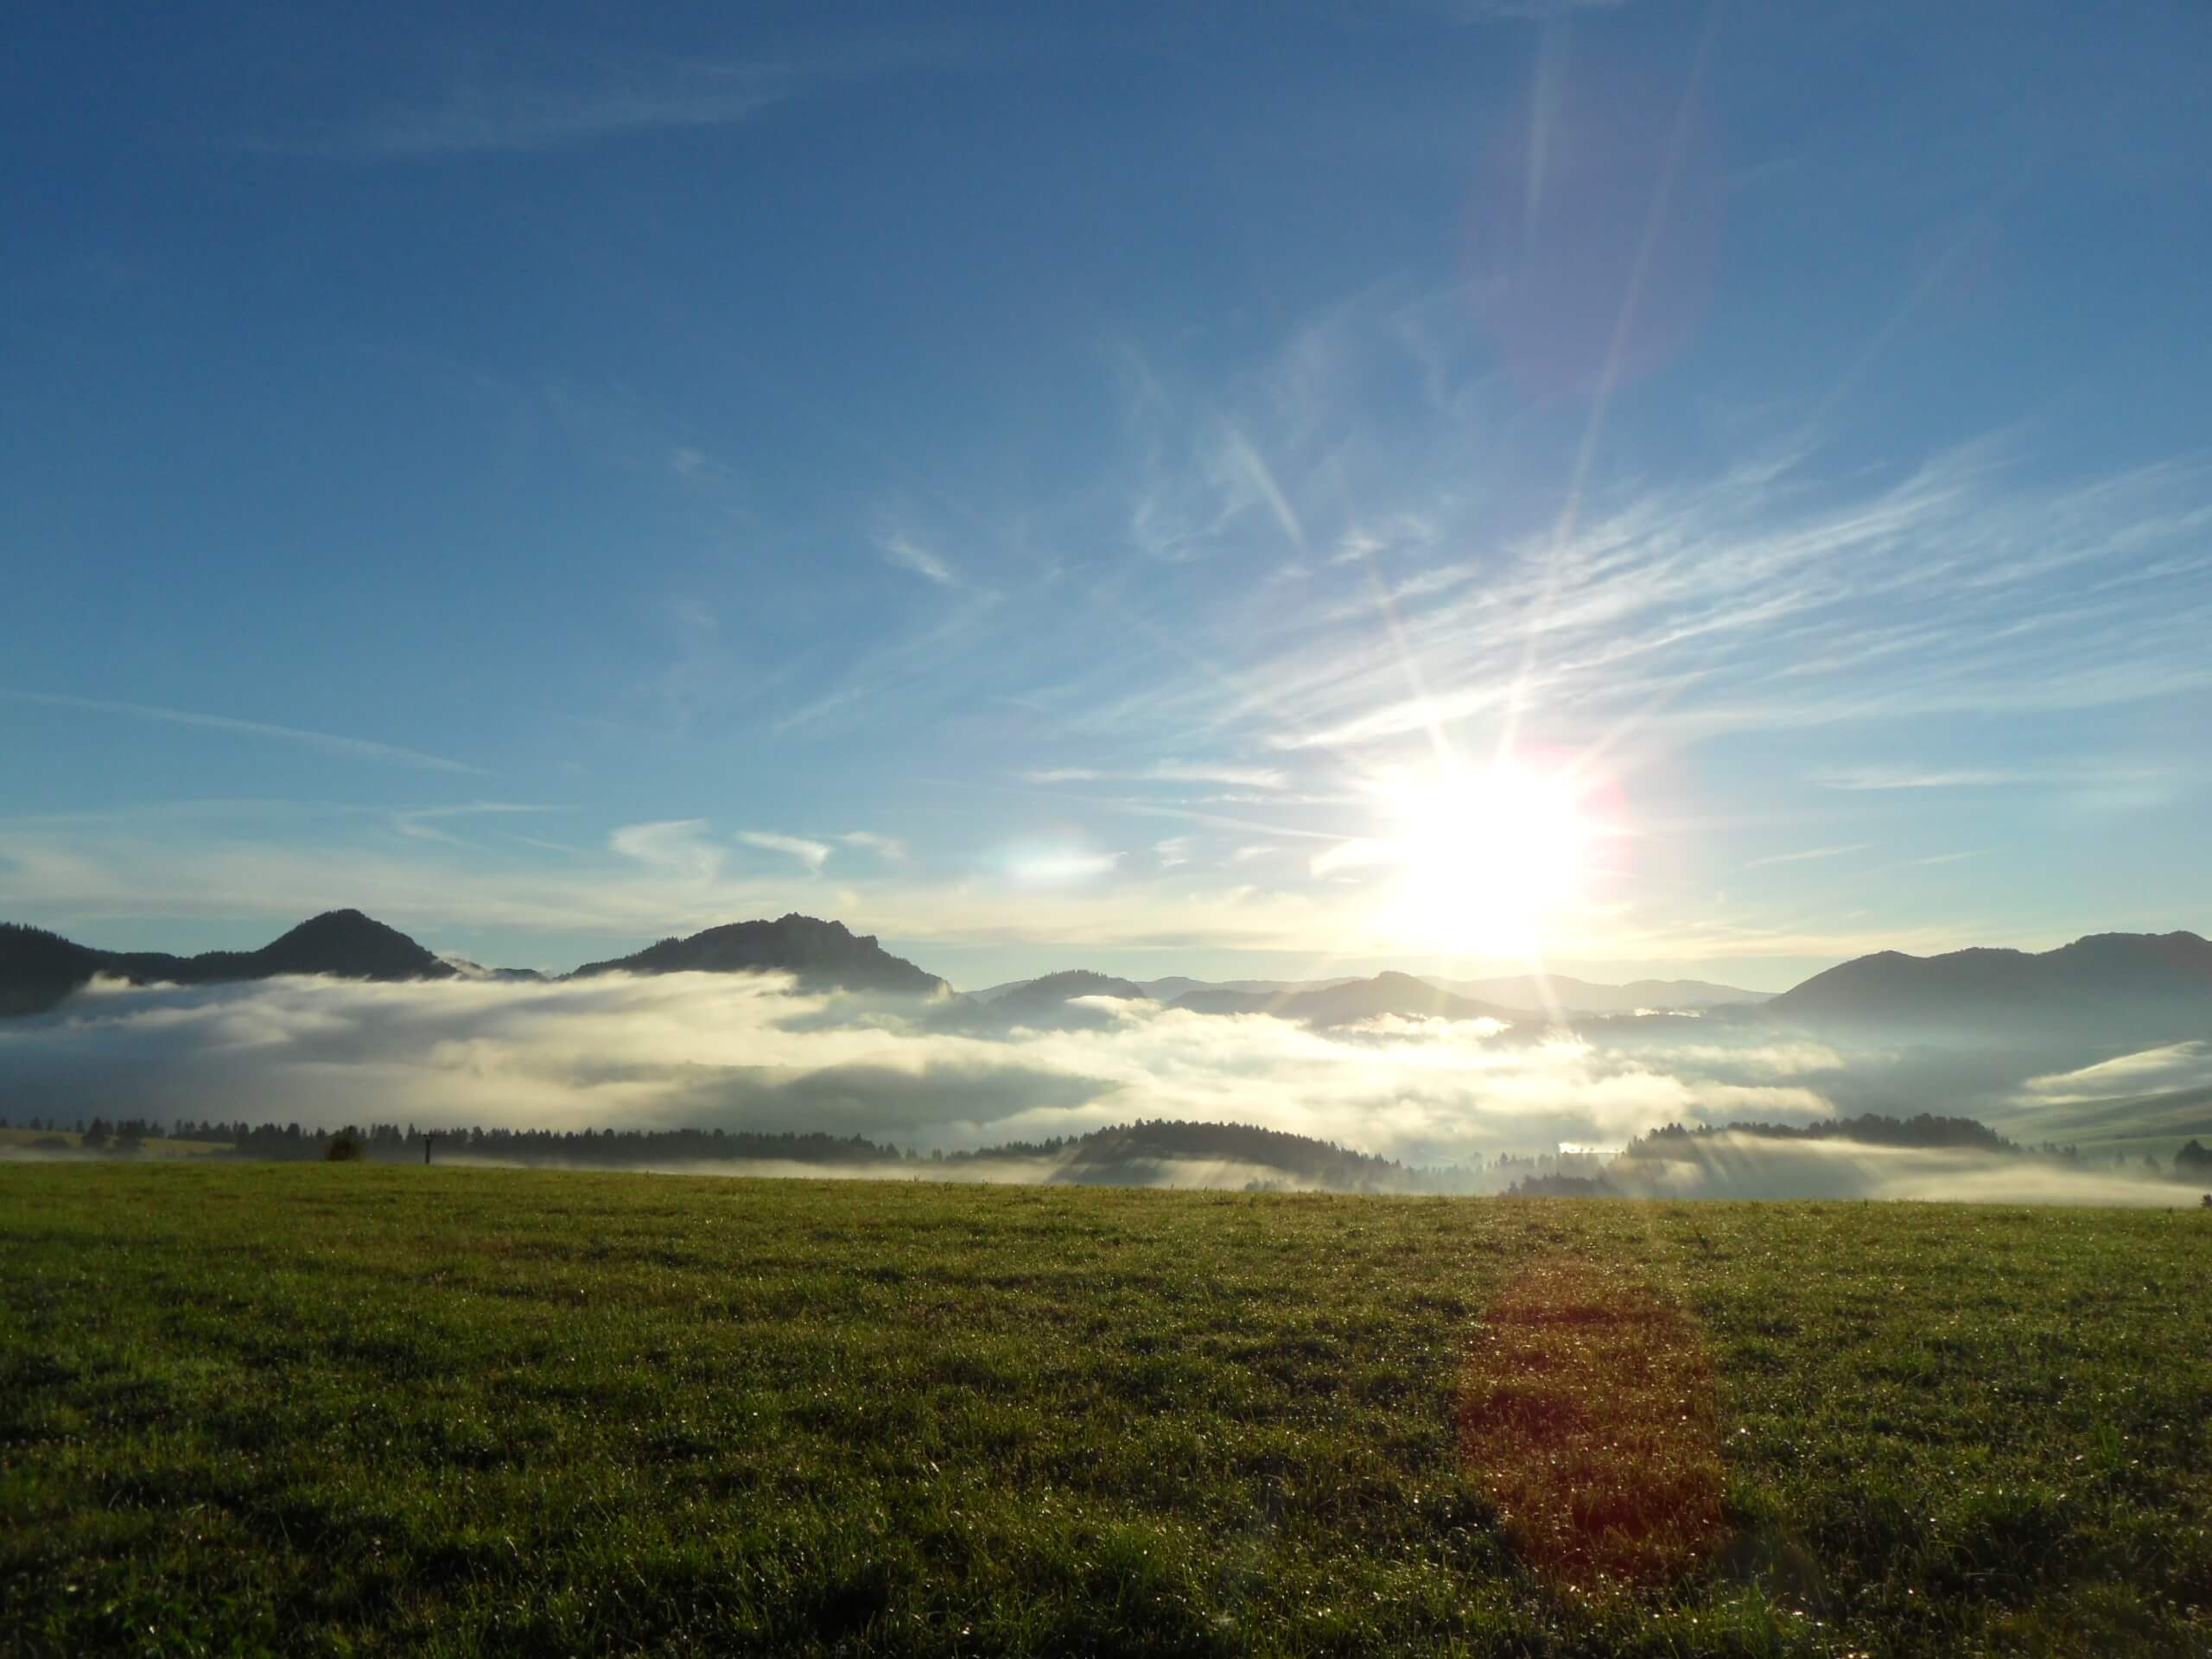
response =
{"points": [[515, 116], [1807, 854], [1908, 778], [812, 854], [2153, 1071], [886, 847], [1167, 772], [675, 846], [423, 823], [1053, 867], [1240, 460], [908, 554], [741, 1052], [735, 1050], [352, 748], [1351, 854]]}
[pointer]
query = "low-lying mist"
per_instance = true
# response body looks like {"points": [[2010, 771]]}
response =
{"points": [[743, 1053]]}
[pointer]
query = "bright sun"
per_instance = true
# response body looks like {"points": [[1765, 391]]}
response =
{"points": [[1489, 858]]}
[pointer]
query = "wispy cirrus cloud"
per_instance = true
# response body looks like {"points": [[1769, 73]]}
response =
{"points": [[671, 846], [502, 115], [1234, 777], [887, 848], [1808, 854], [1883, 778], [812, 854], [903, 552], [425, 822], [1772, 590], [352, 748]]}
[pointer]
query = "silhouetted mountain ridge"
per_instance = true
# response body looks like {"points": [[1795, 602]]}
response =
{"points": [[2141, 981], [2122, 987], [820, 955], [1560, 994], [1055, 990], [38, 969], [1351, 1001]]}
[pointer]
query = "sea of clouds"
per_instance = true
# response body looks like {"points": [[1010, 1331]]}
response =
{"points": [[753, 1052]]}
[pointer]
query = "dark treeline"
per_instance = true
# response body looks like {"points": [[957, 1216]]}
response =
{"points": [[392, 1142], [1924, 1130], [1275, 1157], [1294, 1156]]}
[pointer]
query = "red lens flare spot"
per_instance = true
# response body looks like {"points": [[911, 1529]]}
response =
{"points": [[1587, 1411]]}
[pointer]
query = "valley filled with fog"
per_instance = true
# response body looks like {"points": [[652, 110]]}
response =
{"points": [[1467, 1103]]}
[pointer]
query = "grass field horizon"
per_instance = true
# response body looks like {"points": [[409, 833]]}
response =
{"points": [[260, 1407]]}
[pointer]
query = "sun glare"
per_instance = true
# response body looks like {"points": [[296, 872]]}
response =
{"points": [[1489, 859]]}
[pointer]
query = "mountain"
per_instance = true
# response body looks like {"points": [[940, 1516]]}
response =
{"points": [[1545, 993], [820, 956], [464, 969], [1350, 1001], [1055, 990], [1522, 993], [38, 969], [343, 943], [2137, 984], [1175, 986]]}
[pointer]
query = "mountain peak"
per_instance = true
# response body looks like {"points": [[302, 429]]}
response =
{"points": [[349, 945], [819, 954], [37, 970], [1048, 997]]}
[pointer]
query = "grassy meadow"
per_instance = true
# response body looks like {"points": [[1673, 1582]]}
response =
{"points": [[311, 1407]]}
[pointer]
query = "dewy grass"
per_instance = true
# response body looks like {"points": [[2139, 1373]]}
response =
{"points": [[324, 1408]]}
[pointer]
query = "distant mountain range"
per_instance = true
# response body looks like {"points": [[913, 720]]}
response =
{"points": [[1558, 994], [39, 969], [1548, 994], [2134, 985], [2135, 982], [1351, 1001]]}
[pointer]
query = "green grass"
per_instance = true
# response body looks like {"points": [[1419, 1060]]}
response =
{"points": [[315, 1409]]}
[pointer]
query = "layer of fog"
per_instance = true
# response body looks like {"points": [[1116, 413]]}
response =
{"points": [[1736, 1166], [750, 1053]]}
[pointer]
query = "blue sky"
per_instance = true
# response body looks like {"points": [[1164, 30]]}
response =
{"points": [[1060, 488]]}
